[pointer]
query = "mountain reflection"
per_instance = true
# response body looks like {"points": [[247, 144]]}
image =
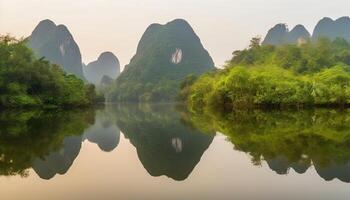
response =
{"points": [[104, 132], [171, 142], [48, 141], [60, 161], [288, 139], [165, 144]]}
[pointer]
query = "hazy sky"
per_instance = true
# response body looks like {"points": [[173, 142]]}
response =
{"points": [[117, 25]]}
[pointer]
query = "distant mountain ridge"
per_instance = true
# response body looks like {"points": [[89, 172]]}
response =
{"points": [[280, 34], [107, 64], [326, 27], [56, 44], [332, 29]]}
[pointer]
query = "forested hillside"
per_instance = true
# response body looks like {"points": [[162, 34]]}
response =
{"points": [[166, 54], [310, 73]]}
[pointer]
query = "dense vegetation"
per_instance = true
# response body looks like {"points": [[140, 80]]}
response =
{"points": [[27, 82], [151, 75], [286, 138], [308, 73]]}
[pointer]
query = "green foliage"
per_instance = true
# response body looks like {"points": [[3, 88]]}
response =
{"points": [[27, 81], [312, 73]]}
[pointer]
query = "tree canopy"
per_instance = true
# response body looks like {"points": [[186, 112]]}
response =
{"points": [[28, 81]]}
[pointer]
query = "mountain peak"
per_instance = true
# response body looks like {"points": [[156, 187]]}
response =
{"points": [[165, 53], [42, 32], [107, 64], [298, 27], [326, 27], [180, 25], [281, 26], [299, 32], [107, 56], [178, 29], [276, 35], [62, 27], [344, 19], [57, 45], [46, 23], [180, 22], [280, 34], [44, 27], [332, 29], [326, 19]]}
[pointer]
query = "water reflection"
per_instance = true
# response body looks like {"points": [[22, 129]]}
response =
{"points": [[58, 162], [104, 132], [48, 141], [288, 139], [171, 142], [165, 144]]}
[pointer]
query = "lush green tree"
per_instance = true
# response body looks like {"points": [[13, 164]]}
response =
{"points": [[27, 81]]}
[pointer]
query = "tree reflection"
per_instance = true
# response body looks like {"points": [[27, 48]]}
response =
{"points": [[288, 139], [48, 141]]}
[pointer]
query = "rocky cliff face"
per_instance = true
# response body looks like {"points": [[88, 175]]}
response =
{"points": [[280, 35], [56, 44], [107, 64], [333, 28]]}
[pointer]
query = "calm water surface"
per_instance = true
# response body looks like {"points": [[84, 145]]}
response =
{"points": [[163, 152]]}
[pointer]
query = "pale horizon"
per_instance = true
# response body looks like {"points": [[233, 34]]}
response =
{"points": [[117, 26]]}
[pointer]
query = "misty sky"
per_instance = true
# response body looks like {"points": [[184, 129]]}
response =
{"points": [[117, 25]]}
